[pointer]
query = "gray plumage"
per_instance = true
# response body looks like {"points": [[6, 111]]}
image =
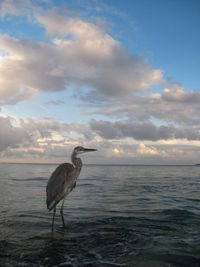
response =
{"points": [[63, 181], [59, 180]]}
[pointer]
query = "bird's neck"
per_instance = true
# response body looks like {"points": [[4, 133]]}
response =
{"points": [[76, 161]]}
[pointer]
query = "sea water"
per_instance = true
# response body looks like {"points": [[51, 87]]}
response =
{"points": [[116, 216]]}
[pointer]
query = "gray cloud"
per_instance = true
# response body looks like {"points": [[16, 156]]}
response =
{"points": [[142, 131], [48, 140], [176, 93], [145, 108], [11, 136], [30, 133]]}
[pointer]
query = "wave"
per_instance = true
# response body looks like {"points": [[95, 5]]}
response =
{"points": [[30, 179], [177, 213], [193, 199], [108, 241]]}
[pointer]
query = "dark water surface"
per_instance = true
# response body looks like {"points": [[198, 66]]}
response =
{"points": [[116, 216]]}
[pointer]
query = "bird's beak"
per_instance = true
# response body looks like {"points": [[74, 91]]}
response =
{"points": [[89, 149]]}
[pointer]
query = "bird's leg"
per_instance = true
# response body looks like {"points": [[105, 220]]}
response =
{"points": [[54, 212], [61, 213]]}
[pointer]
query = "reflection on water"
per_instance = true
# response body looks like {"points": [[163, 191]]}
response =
{"points": [[116, 216]]}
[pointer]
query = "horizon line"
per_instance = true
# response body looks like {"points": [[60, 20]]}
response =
{"points": [[102, 164]]}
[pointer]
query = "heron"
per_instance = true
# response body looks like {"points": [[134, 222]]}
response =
{"points": [[63, 180]]}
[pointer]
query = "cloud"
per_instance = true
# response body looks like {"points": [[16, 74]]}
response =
{"points": [[26, 67], [108, 79], [16, 133], [112, 70], [176, 93], [16, 8], [44, 140], [80, 54], [147, 150], [166, 106], [142, 131], [11, 136], [8, 7], [50, 141], [138, 131]]}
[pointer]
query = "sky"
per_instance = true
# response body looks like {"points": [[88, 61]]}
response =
{"points": [[118, 76]]}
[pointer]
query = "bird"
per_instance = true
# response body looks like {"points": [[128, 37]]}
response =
{"points": [[63, 180]]}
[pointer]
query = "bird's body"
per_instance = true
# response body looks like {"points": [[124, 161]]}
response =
{"points": [[58, 191], [63, 181]]}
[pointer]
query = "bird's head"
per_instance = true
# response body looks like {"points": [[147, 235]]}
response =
{"points": [[80, 150]]}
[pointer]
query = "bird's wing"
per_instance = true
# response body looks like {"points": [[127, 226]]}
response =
{"points": [[57, 184]]}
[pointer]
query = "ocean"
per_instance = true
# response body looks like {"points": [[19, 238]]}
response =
{"points": [[144, 216]]}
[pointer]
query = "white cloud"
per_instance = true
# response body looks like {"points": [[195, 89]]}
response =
{"points": [[82, 54], [176, 93], [147, 150]]}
